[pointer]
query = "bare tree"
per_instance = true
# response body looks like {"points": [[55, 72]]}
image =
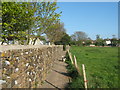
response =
{"points": [[56, 32], [79, 35]]}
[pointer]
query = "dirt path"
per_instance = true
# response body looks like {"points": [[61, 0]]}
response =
{"points": [[57, 77]]}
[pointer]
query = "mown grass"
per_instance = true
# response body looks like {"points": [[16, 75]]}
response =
{"points": [[101, 65]]}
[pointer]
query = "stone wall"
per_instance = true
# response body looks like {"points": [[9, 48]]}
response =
{"points": [[27, 66]]}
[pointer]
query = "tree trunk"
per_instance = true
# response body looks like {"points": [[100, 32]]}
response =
{"points": [[34, 41], [3, 41], [28, 37]]}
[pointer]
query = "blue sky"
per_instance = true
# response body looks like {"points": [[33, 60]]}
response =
{"points": [[90, 17]]}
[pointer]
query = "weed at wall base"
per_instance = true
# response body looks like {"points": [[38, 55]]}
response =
{"points": [[77, 80]]}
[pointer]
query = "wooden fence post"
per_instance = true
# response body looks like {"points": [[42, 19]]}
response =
{"points": [[75, 62], [70, 56], [76, 66], [85, 81]]}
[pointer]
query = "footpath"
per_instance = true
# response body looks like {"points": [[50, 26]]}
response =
{"points": [[58, 76]]}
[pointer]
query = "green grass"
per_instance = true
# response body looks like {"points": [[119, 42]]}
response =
{"points": [[101, 65]]}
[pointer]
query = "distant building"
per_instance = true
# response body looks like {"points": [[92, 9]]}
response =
{"points": [[108, 42], [91, 45], [37, 42]]}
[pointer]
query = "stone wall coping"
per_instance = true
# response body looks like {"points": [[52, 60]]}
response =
{"points": [[14, 47]]}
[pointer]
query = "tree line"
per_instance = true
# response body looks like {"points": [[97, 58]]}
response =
{"points": [[80, 38]]}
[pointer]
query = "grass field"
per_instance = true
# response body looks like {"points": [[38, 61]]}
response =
{"points": [[101, 65]]}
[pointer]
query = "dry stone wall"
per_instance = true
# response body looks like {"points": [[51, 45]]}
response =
{"points": [[27, 66]]}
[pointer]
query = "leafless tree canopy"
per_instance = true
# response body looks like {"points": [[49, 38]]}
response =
{"points": [[56, 33], [79, 35]]}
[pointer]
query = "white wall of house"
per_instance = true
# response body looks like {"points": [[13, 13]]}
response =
{"points": [[41, 42], [31, 42], [3, 43], [92, 45], [108, 42], [16, 43], [37, 42]]}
